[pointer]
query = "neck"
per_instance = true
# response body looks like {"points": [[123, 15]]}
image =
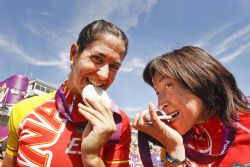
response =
{"points": [[205, 116], [70, 84], [72, 99]]}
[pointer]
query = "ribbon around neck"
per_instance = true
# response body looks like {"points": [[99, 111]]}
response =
{"points": [[228, 137], [65, 111]]}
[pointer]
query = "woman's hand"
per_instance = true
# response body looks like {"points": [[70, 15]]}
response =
{"points": [[170, 138], [100, 126]]}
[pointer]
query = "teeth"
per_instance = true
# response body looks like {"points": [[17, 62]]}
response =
{"points": [[175, 114], [94, 83], [173, 117]]}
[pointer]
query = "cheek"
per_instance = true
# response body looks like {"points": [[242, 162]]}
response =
{"points": [[111, 79], [185, 122], [83, 68], [194, 108], [77, 73]]}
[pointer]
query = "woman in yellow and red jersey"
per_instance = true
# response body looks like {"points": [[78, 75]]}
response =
{"points": [[59, 129]]}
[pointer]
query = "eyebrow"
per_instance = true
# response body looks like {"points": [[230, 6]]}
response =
{"points": [[162, 78], [118, 63]]}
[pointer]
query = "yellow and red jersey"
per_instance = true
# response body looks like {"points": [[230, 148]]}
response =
{"points": [[39, 135]]}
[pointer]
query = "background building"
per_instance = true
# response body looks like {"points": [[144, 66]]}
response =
{"points": [[12, 90], [37, 87]]}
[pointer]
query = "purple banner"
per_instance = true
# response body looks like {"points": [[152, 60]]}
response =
{"points": [[3, 133], [13, 89]]}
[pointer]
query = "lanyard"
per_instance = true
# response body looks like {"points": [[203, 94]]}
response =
{"points": [[64, 109], [62, 104], [228, 136]]}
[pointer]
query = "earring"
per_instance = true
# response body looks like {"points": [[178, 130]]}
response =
{"points": [[71, 62]]}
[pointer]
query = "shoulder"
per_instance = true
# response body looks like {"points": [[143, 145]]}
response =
{"points": [[24, 107], [18, 113], [244, 121], [34, 101], [241, 143]]}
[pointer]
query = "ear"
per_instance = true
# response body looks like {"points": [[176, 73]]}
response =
{"points": [[73, 53]]}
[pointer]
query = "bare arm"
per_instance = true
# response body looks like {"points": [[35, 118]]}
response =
{"points": [[9, 161], [169, 137], [100, 126]]}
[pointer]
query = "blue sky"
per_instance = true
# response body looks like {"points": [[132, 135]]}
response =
{"points": [[35, 38]]}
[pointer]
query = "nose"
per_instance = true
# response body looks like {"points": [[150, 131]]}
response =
{"points": [[162, 100], [103, 72]]}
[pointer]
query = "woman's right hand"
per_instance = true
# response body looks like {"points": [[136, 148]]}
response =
{"points": [[166, 135]]}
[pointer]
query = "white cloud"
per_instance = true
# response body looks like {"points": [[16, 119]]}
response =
{"points": [[13, 48], [245, 5], [223, 46], [124, 13], [239, 39], [129, 11], [133, 65], [43, 13], [57, 36], [203, 42], [242, 49]]}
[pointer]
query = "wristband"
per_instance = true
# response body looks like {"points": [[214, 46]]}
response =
{"points": [[167, 158]]}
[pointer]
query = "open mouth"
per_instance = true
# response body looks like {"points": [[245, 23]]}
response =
{"points": [[94, 83], [165, 118], [173, 116]]}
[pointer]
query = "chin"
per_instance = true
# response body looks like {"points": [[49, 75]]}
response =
{"points": [[181, 130]]}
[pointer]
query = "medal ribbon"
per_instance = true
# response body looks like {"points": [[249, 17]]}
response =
{"points": [[62, 104], [64, 109], [228, 136]]}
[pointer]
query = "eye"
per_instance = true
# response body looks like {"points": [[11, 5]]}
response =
{"points": [[169, 84], [97, 59], [114, 67]]}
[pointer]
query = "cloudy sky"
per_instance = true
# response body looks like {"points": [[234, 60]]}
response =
{"points": [[35, 38]]}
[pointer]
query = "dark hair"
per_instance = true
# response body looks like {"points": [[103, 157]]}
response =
{"points": [[199, 72], [97, 28]]}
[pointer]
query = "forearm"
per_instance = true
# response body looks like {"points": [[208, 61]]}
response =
{"points": [[9, 161], [174, 158]]}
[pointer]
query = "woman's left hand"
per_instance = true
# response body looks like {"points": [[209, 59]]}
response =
{"points": [[169, 137]]}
